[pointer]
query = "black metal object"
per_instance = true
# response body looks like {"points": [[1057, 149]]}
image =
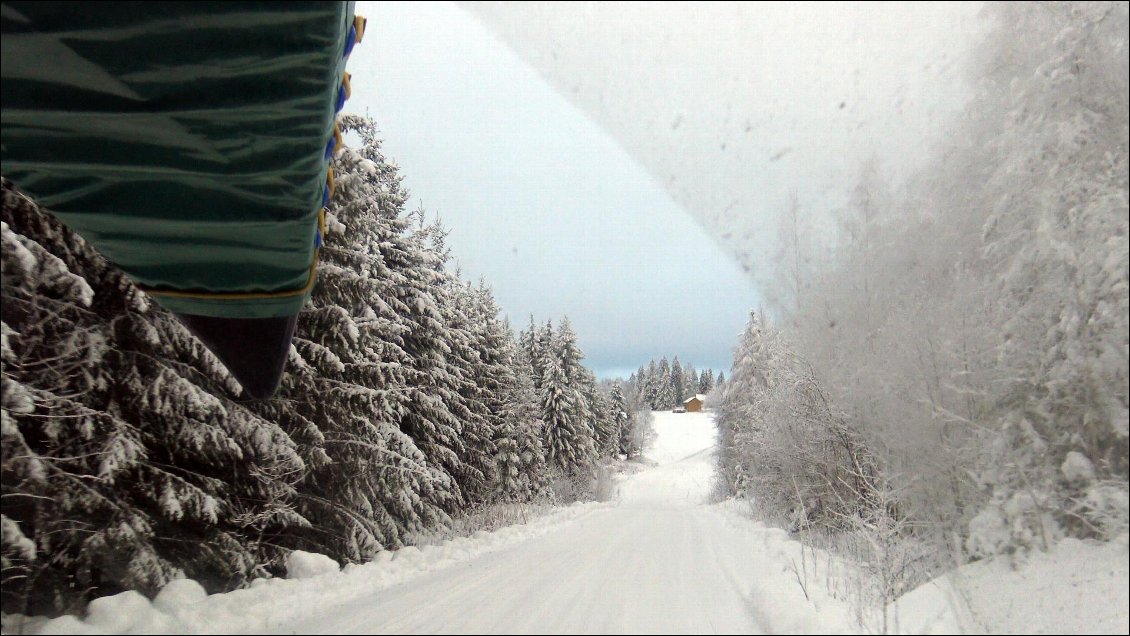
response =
{"points": [[253, 349]]}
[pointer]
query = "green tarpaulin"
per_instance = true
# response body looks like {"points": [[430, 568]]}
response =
{"points": [[186, 141]]}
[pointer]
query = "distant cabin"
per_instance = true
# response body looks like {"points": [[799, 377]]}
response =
{"points": [[694, 405]]}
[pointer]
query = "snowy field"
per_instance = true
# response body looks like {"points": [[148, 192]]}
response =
{"points": [[660, 559]]}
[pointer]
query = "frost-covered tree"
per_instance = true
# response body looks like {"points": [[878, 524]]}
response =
{"points": [[125, 463], [1055, 238], [494, 387], [605, 430], [706, 382], [738, 408], [678, 383], [780, 441], [474, 374], [624, 420], [664, 392], [593, 404], [521, 442], [567, 351], [532, 346], [650, 385], [543, 348], [347, 387], [569, 437], [574, 417], [690, 382], [972, 326]]}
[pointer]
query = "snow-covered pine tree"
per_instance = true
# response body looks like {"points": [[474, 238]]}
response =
{"points": [[543, 348], [737, 409], [566, 349], [471, 375], [678, 383], [594, 408], [531, 344], [346, 388], [527, 427], [120, 448], [690, 382], [517, 412], [569, 437], [606, 434], [622, 420], [706, 382], [633, 394], [650, 385], [497, 351], [432, 385], [664, 392], [494, 384]]}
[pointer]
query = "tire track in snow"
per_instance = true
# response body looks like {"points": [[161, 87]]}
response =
{"points": [[657, 562]]}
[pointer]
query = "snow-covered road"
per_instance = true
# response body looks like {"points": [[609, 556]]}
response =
{"points": [[657, 562], [657, 559]]}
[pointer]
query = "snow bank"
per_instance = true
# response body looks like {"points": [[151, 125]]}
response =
{"points": [[1075, 588], [787, 581], [307, 565], [310, 589]]}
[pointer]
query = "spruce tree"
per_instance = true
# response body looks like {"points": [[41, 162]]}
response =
{"points": [[530, 343], [599, 413], [651, 386], [664, 393], [121, 445], [347, 388], [570, 355], [678, 383], [569, 438], [520, 447], [690, 382], [706, 382], [622, 420]]}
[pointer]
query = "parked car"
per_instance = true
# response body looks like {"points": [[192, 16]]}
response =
{"points": [[678, 409]]}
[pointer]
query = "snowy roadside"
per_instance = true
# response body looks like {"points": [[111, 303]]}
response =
{"points": [[787, 582], [184, 607], [1075, 588]]}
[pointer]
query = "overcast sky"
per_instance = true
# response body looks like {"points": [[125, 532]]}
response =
{"points": [[541, 202], [578, 150]]}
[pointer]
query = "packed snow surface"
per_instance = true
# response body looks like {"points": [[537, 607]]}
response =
{"points": [[658, 559], [650, 563]]}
